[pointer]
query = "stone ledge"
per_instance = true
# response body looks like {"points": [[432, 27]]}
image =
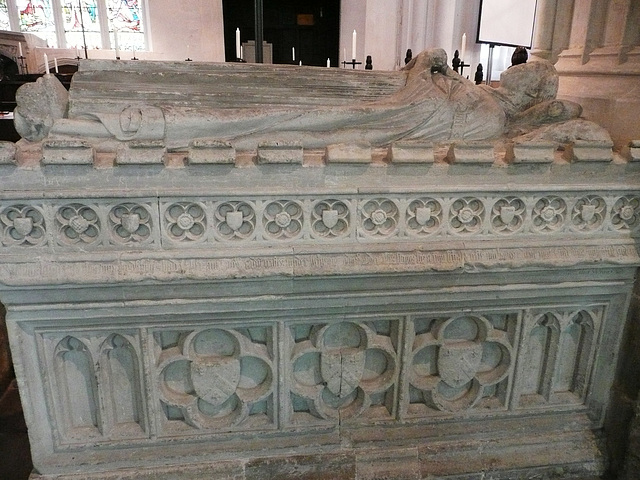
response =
{"points": [[118, 269]]}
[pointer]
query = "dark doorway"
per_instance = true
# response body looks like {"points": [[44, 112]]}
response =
{"points": [[312, 27]]}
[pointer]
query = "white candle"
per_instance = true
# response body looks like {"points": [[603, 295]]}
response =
{"points": [[20, 49], [353, 46], [46, 63], [300, 63], [237, 43], [115, 41], [55, 64], [77, 53], [241, 52], [464, 47], [134, 53], [328, 62], [293, 53], [344, 54]]}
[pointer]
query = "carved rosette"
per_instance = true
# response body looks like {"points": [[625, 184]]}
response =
{"points": [[330, 219], [342, 371], [461, 363], [549, 214], [466, 215], [282, 220], [130, 223], [588, 213], [22, 225], [185, 222], [217, 378], [424, 216], [77, 224], [625, 214], [508, 215], [234, 220], [379, 217]]}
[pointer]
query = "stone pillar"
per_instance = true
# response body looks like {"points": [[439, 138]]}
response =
{"points": [[552, 28], [600, 68]]}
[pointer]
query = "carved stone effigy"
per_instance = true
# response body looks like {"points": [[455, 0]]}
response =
{"points": [[333, 281]]}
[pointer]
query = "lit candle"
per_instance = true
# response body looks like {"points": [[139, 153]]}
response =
{"points": [[328, 62], [293, 53], [55, 64], [46, 63], [464, 47], [353, 46], [20, 49], [237, 43], [115, 41]]}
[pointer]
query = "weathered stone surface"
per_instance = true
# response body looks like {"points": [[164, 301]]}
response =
{"points": [[308, 467], [533, 152], [145, 152], [275, 152], [391, 464], [7, 153], [67, 152], [473, 152], [348, 154], [411, 153], [211, 152]]}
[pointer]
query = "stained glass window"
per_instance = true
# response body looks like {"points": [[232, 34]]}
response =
{"points": [[36, 16], [4, 16], [125, 17], [79, 15]]}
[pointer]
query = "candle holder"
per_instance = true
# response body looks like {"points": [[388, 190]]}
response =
{"points": [[23, 65], [134, 57], [188, 60], [353, 63], [462, 65]]}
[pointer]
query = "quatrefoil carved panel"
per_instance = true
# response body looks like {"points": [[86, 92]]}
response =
{"points": [[217, 378], [22, 225], [459, 362], [342, 370]]}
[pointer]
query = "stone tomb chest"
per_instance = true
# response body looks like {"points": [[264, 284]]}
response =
{"points": [[377, 308]]}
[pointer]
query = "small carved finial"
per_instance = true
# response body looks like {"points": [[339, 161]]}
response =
{"points": [[479, 76], [455, 62], [408, 56], [519, 56], [368, 64]]}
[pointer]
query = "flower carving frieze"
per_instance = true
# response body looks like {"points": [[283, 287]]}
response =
{"points": [[75, 224], [185, 221], [23, 225], [466, 215], [130, 223]]}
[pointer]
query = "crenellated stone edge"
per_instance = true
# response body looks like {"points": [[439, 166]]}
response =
{"points": [[65, 152]]}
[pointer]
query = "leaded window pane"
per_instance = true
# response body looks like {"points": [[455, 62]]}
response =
{"points": [[79, 15], [4, 16], [125, 16], [36, 16]]}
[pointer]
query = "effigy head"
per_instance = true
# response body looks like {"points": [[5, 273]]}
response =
{"points": [[39, 104], [530, 83]]}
